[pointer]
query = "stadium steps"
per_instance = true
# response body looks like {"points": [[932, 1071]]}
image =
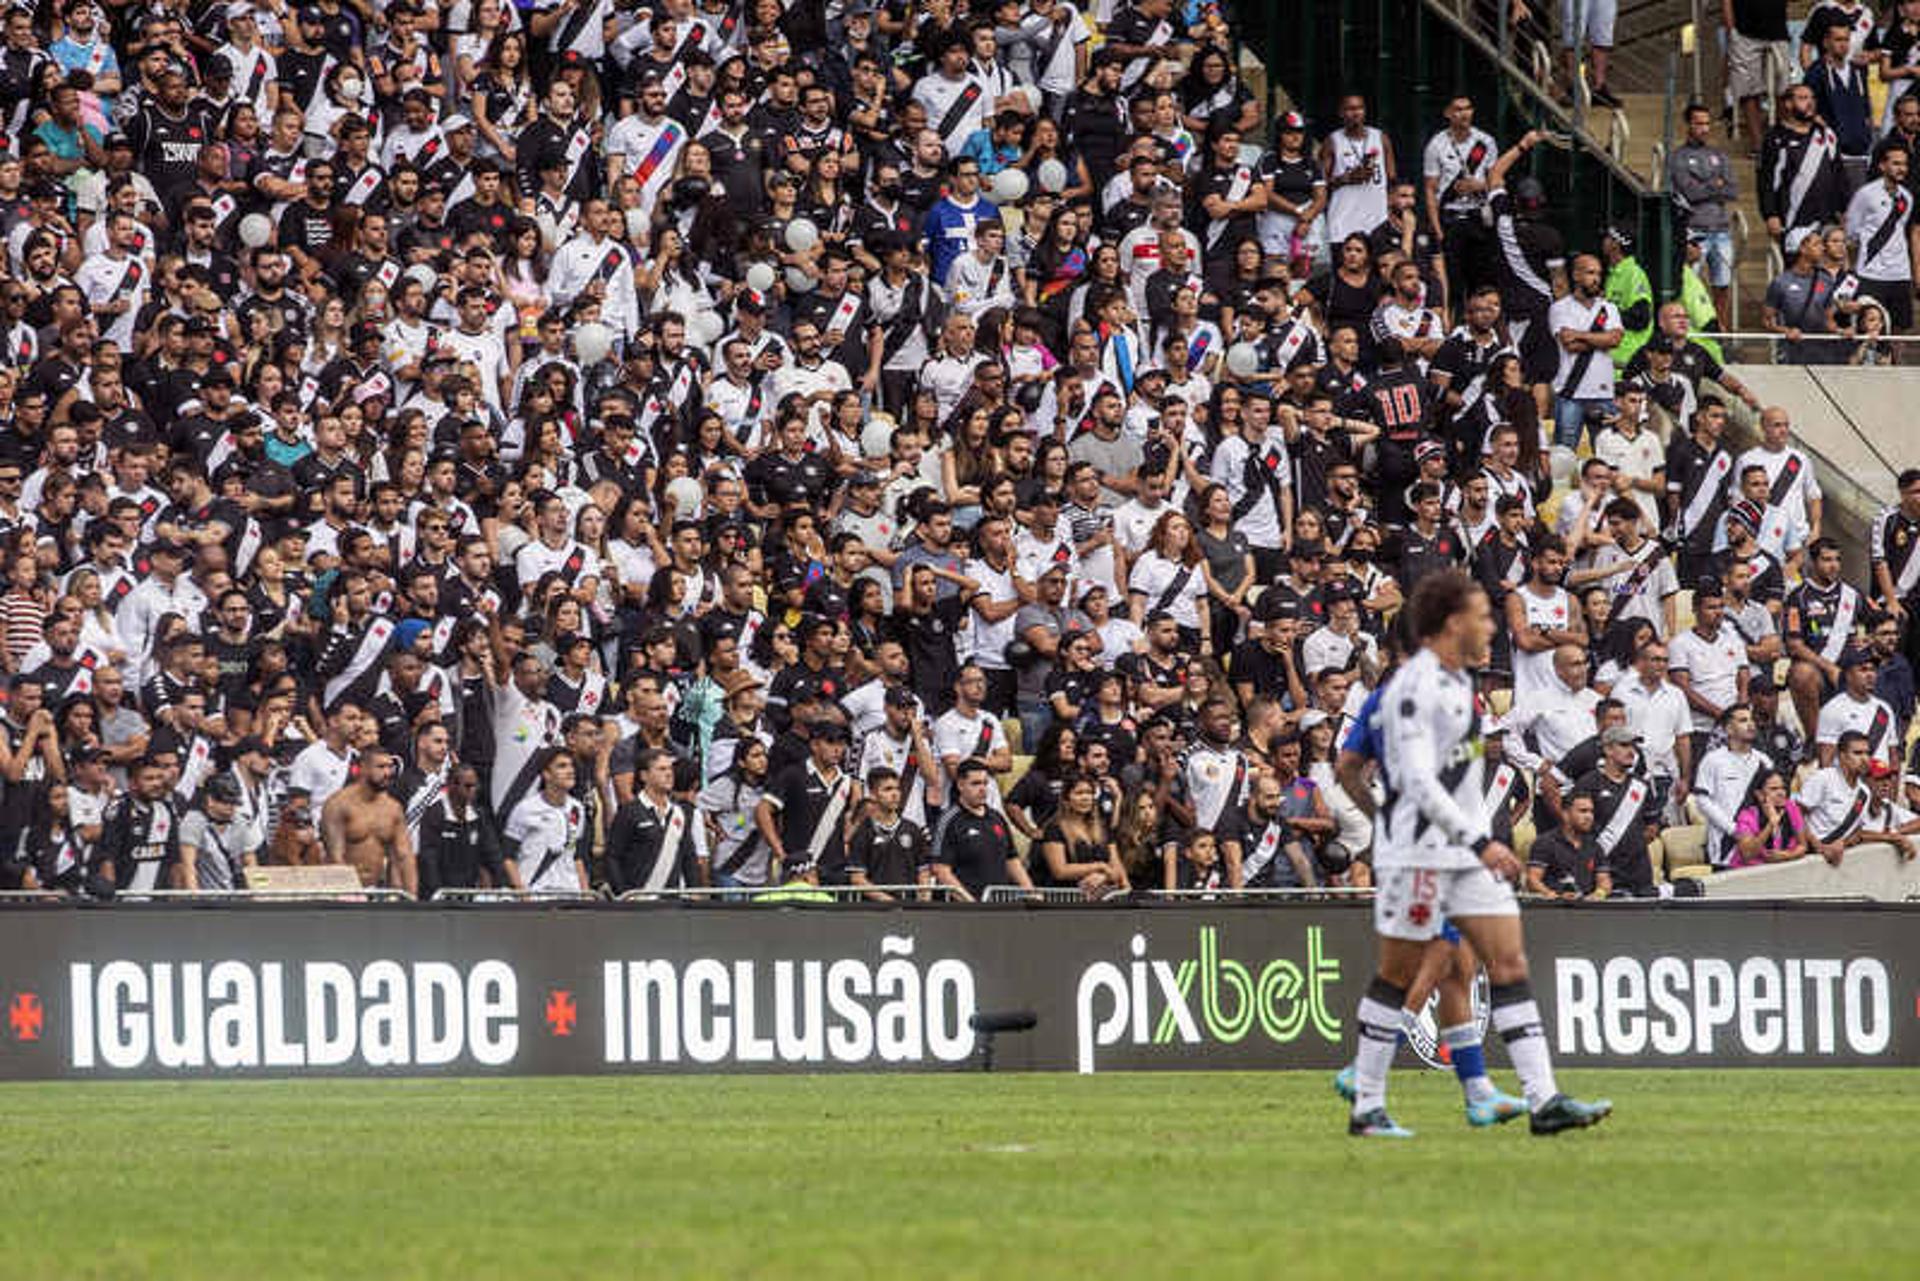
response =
{"points": [[1637, 137]]}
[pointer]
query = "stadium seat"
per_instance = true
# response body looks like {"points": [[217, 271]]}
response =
{"points": [[1683, 610], [1523, 838], [1684, 849], [1500, 701], [1015, 772], [1015, 738]]}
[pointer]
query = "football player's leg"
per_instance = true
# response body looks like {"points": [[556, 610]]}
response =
{"points": [[1454, 1018], [1405, 920], [1460, 1033], [1516, 1015]]}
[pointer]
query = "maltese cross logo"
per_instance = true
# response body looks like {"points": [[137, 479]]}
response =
{"points": [[562, 1013]]}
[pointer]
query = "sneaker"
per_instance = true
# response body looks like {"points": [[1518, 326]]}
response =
{"points": [[1498, 1110], [1562, 1113], [1601, 96], [1376, 1125], [1343, 1083]]}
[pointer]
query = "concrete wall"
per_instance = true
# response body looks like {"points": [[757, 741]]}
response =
{"points": [[1861, 426], [1867, 871]]}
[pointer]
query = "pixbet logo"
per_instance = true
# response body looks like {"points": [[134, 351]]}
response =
{"points": [[1201, 997]]}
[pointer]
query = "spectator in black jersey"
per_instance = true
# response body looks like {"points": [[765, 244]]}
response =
{"points": [[885, 849], [972, 852], [1563, 862], [808, 807]]}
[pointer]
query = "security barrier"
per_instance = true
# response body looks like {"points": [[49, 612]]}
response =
{"points": [[170, 989]]}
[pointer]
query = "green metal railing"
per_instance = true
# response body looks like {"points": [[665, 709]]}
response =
{"points": [[1409, 57]]}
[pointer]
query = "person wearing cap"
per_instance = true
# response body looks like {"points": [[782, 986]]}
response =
{"points": [[217, 840], [1339, 644], [1626, 816], [1629, 290], [902, 744], [255, 70], [1855, 708], [1799, 302]]}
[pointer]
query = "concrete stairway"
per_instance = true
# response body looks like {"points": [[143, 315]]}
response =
{"points": [[1636, 134]]}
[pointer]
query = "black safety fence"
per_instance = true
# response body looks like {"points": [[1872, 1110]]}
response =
{"points": [[216, 989]]}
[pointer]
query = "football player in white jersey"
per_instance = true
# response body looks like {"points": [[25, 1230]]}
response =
{"points": [[1437, 861]]}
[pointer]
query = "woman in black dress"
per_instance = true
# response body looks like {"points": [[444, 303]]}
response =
{"points": [[1075, 849]]}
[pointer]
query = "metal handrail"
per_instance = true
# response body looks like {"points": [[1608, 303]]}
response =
{"points": [[1619, 138], [1533, 82], [1742, 232], [751, 893], [32, 895], [506, 893], [373, 893], [1049, 894], [1747, 335], [1295, 894]]}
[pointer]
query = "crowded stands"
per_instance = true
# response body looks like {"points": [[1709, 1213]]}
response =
{"points": [[936, 448]]}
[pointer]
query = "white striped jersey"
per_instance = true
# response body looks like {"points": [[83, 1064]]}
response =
{"points": [[1432, 766]]}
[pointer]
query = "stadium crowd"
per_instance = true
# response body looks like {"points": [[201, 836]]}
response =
{"points": [[589, 446]]}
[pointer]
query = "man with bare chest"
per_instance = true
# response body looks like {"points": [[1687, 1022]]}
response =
{"points": [[364, 826]]}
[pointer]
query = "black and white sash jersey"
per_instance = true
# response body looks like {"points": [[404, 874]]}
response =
{"points": [[739, 851], [583, 31], [1791, 480], [1584, 375], [1698, 482], [1800, 177], [1892, 541], [1878, 218], [1433, 769], [956, 109], [1263, 860], [1529, 252], [1621, 811], [1465, 358], [1449, 159], [1843, 714], [1823, 618], [1834, 807], [1216, 782], [140, 840], [655, 848], [811, 809]]}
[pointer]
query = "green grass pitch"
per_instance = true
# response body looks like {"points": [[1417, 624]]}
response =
{"points": [[1699, 1174]]}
